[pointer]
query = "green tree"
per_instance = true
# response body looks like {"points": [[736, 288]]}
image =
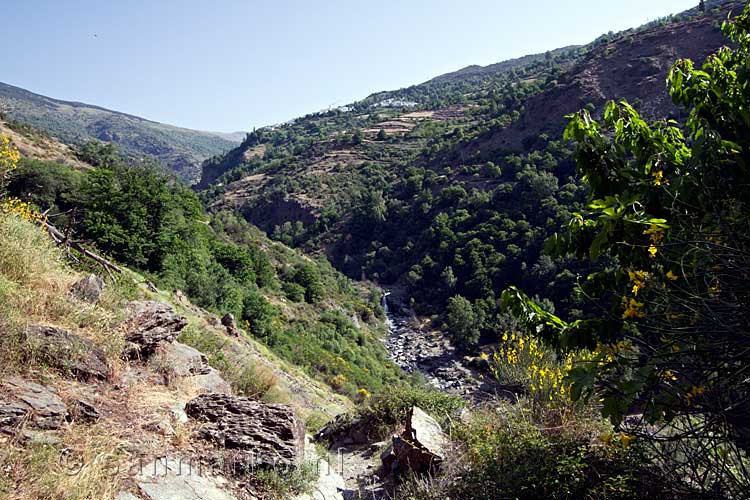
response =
{"points": [[670, 206], [463, 323]]}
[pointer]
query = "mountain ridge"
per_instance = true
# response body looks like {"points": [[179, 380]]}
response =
{"points": [[73, 122]]}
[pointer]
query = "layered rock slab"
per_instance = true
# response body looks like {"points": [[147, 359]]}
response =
{"points": [[259, 434]]}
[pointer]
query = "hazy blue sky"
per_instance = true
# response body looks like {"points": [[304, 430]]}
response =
{"points": [[234, 64]]}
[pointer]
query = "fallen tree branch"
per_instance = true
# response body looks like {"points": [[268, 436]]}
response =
{"points": [[62, 239]]}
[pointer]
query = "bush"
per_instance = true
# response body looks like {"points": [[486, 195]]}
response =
{"points": [[507, 455], [293, 291], [389, 408], [462, 322]]}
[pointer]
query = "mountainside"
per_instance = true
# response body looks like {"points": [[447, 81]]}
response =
{"points": [[451, 187], [526, 280], [179, 149]]}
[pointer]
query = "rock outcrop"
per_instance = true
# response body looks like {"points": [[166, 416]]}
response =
{"points": [[151, 324], [67, 352], [421, 448], [180, 360], [88, 289], [184, 361], [345, 429], [230, 324], [31, 405], [260, 434]]}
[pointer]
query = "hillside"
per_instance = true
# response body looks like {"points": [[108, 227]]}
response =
{"points": [[451, 187], [178, 149], [520, 281]]}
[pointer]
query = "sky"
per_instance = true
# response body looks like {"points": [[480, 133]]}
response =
{"points": [[232, 65]]}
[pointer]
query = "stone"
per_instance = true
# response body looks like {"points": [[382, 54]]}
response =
{"points": [[68, 352], [85, 412], [345, 429], [176, 479], [88, 289], [262, 434], [11, 413], [211, 382], [151, 324], [177, 412], [30, 404], [230, 324], [328, 486], [183, 360], [124, 495], [421, 448], [159, 427], [43, 438]]}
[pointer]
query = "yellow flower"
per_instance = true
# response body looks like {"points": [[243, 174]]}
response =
{"points": [[659, 178], [667, 375], [671, 276], [655, 233], [364, 393], [652, 251], [626, 439], [632, 308]]}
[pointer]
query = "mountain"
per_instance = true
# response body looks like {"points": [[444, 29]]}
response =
{"points": [[451, 187], [181, 150]]}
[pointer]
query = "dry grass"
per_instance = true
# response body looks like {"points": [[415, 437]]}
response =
{"points": [[95, 461], [84, 466], [34, 288]]}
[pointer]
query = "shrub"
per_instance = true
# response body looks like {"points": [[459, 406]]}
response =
{"points": [[507, 455], [293, 291], [389, 408], [462, 322]]}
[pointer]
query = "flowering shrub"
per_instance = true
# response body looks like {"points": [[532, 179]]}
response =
{"points": [[523, 360], [9, 157], [20, 209]]}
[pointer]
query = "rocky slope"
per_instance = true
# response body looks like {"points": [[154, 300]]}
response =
{"points": [[632, 66], [179, 149], [104, 390]]}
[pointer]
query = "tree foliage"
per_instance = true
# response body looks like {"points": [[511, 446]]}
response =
{"points": [[669, 205]]}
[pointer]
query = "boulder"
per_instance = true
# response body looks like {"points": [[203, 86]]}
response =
{"points": [[421, 448], [261, 434], [68, 352], [85, 412], [230, 324], [88, 289], [29, 403], [179, 360], [211, 382], [151, 324], [345, 429], [183, 360]]}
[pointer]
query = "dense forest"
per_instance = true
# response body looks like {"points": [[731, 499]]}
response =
{"points": [[437, 202]]}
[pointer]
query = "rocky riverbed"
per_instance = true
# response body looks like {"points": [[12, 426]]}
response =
{"points": [[416, 347]]}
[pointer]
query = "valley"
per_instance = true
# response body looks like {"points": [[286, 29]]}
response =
{"points": [[521, 280]]}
